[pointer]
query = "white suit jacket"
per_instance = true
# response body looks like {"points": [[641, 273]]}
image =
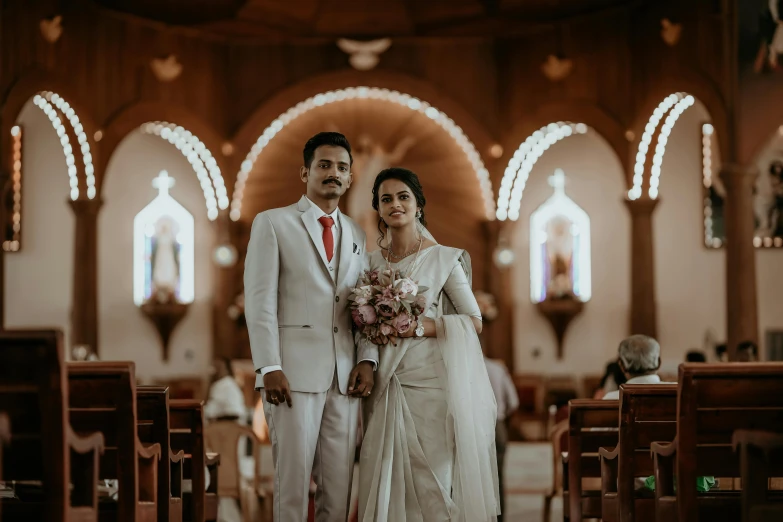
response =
{"points": [[297, 315]]}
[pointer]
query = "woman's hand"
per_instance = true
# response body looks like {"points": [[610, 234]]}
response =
{"points": [[426, 321]]}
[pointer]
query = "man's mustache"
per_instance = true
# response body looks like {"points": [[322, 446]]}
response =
{"points": [[339, 183]]}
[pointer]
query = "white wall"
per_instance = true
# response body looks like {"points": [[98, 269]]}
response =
{"points": [[690, 278], [595, 181], [39, 278], [125, 333]]}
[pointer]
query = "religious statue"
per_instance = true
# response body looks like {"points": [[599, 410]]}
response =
{"points": [[559, 249], [370, 158], [165, 260], [163, 249]]}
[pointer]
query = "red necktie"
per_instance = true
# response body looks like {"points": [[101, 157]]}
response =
{"points": [[327, 223]]}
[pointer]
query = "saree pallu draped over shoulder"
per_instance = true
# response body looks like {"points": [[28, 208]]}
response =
{"points": [[428, 452]]}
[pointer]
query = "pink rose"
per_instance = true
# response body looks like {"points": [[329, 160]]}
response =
{"points": [[386, 329], [407, 287], [363, 315], [402, 323], [360, 301]]}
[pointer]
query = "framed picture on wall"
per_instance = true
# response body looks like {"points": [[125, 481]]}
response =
{"points": [[767, 194]]}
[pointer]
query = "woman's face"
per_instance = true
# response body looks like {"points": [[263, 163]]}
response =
{"points": [[396, 203]]}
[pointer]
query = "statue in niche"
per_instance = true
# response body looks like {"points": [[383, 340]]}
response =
{"points": [[369, 159], [560, 281], [559, 249], [164, 262], [163, 250]]}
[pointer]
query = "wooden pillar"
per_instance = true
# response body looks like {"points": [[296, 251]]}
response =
{"points": [[499, 336], [4, 186], [84, 308], [741, 303], [643, 305]]}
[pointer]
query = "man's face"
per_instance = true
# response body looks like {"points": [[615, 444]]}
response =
{"points": [[329, 174]]}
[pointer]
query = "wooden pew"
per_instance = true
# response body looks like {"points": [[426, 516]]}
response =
{"points": [[153, 425], [187, 434], [44, 453], [558, 437], [584, 440], [102, 397], [759, 452], [223, 438], [713, 401], [648, 413]]}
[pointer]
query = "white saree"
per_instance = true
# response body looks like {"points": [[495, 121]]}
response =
{"points": [[428, 452]]}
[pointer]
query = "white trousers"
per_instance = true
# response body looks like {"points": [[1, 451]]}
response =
{"points": [[316, 436]]}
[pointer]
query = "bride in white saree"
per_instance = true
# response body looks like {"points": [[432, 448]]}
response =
{"points": [[428, 452]]}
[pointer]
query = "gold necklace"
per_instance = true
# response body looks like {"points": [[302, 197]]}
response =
{"points": [[406, 254]]}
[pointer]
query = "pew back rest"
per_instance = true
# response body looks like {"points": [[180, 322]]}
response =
{"points": [[34, 395], [187, 434], [152, 404], [713, 401], [102, 397], [648, 413], [592, 424]]}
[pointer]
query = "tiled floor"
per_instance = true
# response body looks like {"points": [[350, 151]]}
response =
{"points": [[528, 476]]}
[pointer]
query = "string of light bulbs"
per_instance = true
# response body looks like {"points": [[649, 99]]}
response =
{"points": [[373, 93], [201, 160], [521, 164]]}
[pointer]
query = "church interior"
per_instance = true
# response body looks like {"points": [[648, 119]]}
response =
{"points": [[612, 167]]}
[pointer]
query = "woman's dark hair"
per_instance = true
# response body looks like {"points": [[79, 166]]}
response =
{"points": [[331, 139], [613, 369], [695, 356], [411, 180]]}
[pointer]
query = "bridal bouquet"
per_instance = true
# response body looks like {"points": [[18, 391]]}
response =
{"points": [[385, 304]]}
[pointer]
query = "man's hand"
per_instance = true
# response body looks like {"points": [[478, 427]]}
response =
{"points": [[362, 379], [277, 388]]}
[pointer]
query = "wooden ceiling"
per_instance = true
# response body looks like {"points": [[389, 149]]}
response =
{"points": [[296, 19]]}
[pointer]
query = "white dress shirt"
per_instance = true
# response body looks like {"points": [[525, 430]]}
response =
{"points": [[332, 265], [642, 379], [503, 387]]}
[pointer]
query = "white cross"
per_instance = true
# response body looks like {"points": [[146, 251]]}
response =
{"points": [[557, 181], [163, 183]]}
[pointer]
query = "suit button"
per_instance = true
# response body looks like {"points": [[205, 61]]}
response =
{"points": [[335, 329], [337, 299]]}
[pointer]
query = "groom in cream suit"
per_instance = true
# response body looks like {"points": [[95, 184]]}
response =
{"points": [[302, 261]]}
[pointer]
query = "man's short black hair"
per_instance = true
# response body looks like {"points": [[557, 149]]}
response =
{"points": [[748, 346], [332, 139], [695, 356]]}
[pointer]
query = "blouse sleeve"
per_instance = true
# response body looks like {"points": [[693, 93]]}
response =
{"points": [[458, 289]]}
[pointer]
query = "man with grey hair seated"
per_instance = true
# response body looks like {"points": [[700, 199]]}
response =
{"points": [[640, 358]]}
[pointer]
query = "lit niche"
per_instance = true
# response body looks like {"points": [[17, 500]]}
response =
{"points": [[560, 277], [163, 260]]}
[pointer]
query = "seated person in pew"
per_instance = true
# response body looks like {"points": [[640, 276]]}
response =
{"points": [[695, 356], [639, 357], [225, 401], [747, 351], [611, 381]]}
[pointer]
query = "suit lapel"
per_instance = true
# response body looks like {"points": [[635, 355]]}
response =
{"points": [[315, 230], [346, 250]]}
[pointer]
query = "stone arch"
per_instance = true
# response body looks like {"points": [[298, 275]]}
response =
{"points": [[181, 128], [51, 94], [550, 124], [270, 115]]}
